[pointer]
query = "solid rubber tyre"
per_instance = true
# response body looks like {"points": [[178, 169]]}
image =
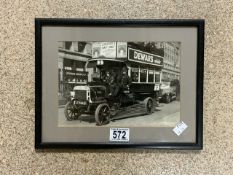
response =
{"points": [[70, 112], [149, 105], [102, 114]]}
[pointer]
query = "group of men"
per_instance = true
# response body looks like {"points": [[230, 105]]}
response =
{"points": [[116, 81]]}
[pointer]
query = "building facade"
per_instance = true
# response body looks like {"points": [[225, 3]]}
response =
{"points": [[146, 62], [72, 71], [172, 54]]}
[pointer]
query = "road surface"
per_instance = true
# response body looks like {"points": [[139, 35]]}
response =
{"points": [[166, 115]]}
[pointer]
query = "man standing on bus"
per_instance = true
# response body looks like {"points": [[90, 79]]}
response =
{"points": [[125, 79], [111, 81]]}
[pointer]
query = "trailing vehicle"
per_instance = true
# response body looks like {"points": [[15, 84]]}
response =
{"points": [[168, 92]]}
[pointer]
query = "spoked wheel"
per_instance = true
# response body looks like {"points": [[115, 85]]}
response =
{"points": [[149, 105], [102, 114], [71, 112]]}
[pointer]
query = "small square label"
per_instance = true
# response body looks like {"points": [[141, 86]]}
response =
{"points": [[180, 127], [119, 135]]}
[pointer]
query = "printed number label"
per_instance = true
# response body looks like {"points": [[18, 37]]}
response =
{"points": [[119, 135]]}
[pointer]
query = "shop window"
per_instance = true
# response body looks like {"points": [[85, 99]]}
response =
{"points": [[75, 45], [150, 76], [81, 46], [87, 49], [68, 45], [134, 74], [143, 75]]}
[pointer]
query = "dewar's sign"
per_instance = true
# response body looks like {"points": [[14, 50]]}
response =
{"points": [[144, 57]]}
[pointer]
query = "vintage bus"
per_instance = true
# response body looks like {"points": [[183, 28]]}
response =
{"points": [[142, 69]]}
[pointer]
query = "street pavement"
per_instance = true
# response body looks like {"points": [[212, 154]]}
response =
{"points": [[166, 115]]}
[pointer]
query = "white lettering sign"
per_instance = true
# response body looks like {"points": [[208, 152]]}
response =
{"points": [[145, 57]]}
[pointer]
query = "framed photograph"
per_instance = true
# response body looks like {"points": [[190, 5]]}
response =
{"points": [[119, 83]]}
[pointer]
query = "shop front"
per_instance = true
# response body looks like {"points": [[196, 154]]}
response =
{"points": [[71, 72]]}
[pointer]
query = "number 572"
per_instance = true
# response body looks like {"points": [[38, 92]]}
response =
{"points": [[119, 135]]}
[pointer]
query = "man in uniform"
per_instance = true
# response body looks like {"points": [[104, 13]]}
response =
{"points": [[111, 80], [125, 79]]}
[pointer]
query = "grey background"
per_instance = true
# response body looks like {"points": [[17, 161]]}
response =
{"points": [[50, 37]]}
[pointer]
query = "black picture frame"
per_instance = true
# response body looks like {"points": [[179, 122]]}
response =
{"points": [[42, 22]]}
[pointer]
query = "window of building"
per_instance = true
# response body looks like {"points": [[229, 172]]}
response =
{"points": [[75, 45], [143, 75], [61, 44], [81, 46], [68, 45], [150, 76]]}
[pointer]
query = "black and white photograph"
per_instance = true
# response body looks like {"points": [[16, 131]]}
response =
{"points": [[119, 83]]}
